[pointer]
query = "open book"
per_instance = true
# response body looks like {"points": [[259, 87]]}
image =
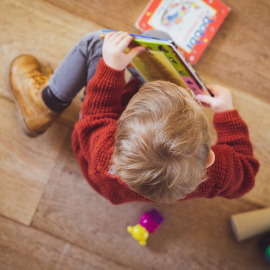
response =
{"points": [[163, 61]]}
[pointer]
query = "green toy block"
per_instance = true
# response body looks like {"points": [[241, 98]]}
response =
{"points": [[267, 252]]}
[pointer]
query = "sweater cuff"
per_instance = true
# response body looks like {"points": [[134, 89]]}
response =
{"points": [[107, 76], [229, 123], [226, 117]]}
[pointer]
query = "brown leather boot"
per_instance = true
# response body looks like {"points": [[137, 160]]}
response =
{"points": [[26, 83]]}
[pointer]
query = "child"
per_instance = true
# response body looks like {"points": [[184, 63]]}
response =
{"points": [[146, 145]]}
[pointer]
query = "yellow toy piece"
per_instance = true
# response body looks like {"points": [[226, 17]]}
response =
{"points": [[139, 233]]}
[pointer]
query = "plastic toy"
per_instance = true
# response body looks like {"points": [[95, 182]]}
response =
{"points": [[246, 225], [149, 222], [264, 245]]}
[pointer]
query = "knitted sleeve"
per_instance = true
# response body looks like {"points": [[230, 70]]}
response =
{"points": [[130, 90], [93, 135], [235, 166]]}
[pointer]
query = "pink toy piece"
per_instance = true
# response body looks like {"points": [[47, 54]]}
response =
{"points": [[151, 220], [148, 223], [156, 216]]}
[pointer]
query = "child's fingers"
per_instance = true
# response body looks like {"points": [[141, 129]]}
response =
{"points": [[205, 99], [135, 51], [212, 89], [123, 44], [116, 34], [119, 38], [108, 36], [216, 90], [205, 104]]}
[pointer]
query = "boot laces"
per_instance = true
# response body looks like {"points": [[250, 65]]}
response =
{"points": [[37, 80]]}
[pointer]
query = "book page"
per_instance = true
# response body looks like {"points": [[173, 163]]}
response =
{"points": [[155, 66]]}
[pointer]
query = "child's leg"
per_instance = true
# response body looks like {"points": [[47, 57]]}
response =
{"points": [[78, 67], [38, 105], [74, 72]]}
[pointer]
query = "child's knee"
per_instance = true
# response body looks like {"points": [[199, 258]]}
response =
{"points": [[91, 43]]}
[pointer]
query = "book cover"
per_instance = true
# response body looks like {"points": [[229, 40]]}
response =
{"points": [[191, 23], [162, 61]]}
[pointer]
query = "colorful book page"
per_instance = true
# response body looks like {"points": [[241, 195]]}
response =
{"points": [[155, 66], [153, 45]]}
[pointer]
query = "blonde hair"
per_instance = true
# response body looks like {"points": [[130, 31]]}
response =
{"points": [[162, 143]]}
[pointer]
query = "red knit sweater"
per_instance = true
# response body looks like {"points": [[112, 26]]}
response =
{"points": [[231, 176]]}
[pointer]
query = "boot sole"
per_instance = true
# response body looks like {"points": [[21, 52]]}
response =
{"points": [[20, 116]]}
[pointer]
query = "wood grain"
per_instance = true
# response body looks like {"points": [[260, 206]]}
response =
{"points": [[238, 55], [195, 235], [26, 248], [45, 31], [117, 15], [25, 164]]}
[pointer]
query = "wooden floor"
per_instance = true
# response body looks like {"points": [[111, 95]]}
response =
{"points": [[49, 216]]}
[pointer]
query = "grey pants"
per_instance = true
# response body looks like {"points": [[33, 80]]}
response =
{"points": [[79, 65]]}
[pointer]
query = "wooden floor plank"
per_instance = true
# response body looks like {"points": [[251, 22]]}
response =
{"points": [[239, 53], [47, 32], [195, 235], [24, 248], [25, 164], [77, 258]]}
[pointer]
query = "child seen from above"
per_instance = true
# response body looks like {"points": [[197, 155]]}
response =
{"points": [[148, 143]]}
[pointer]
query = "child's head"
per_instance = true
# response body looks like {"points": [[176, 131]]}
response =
{"points": [[162, 143]]}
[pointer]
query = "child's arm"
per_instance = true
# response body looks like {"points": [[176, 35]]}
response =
{"points": [[93, 135], [235, 165], [104, 91]]}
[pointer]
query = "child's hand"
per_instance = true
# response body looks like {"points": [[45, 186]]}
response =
{"points": [[222, 100], [113, 50]]}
